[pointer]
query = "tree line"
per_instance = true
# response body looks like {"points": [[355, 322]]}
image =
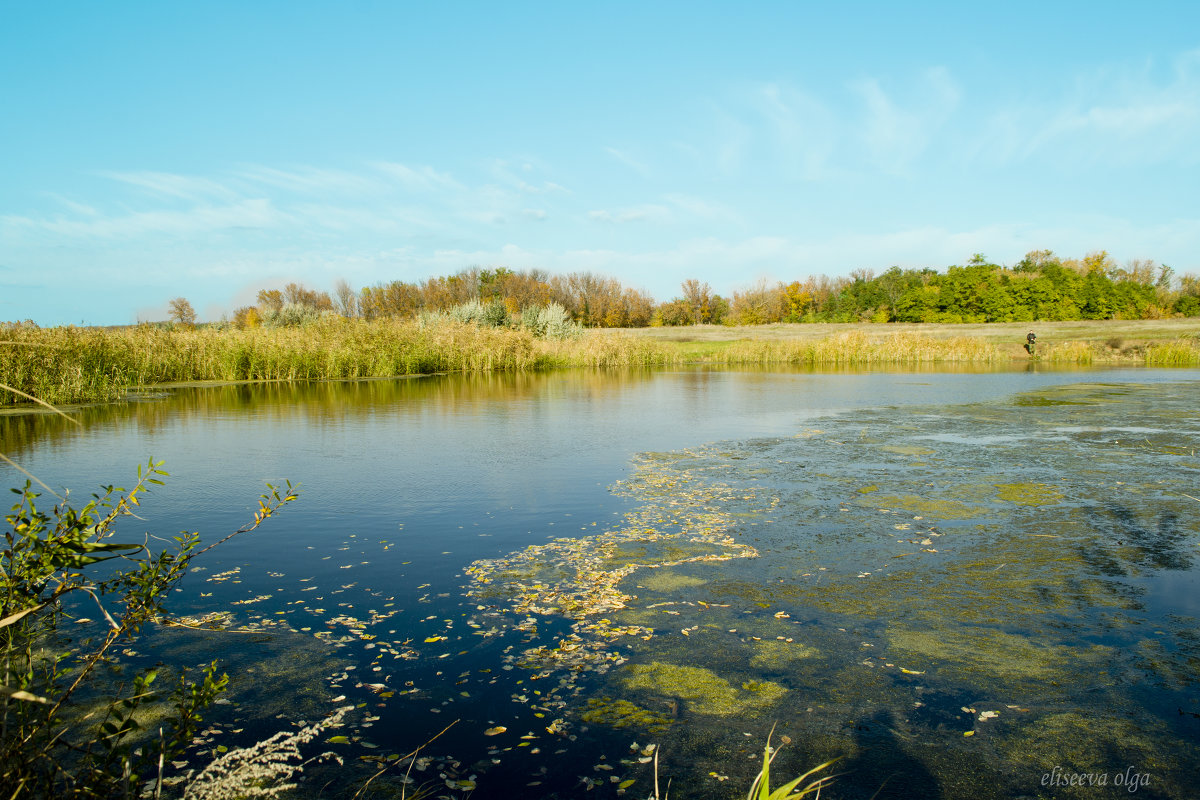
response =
{"points": [[1042, 286]]}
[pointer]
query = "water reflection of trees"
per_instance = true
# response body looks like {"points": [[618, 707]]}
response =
{"points": [[315, 403]]}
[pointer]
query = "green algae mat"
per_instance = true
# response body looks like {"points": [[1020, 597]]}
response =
{"points": [[994, 600]]}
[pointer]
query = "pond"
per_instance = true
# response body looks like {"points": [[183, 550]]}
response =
{"points": [[977, 584]]}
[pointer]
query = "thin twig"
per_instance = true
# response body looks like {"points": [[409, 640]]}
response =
{"points": [[103, 610], [40, 403], [30, 475], [412, 755]]}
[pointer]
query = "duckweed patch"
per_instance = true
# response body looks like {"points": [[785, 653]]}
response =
{"points": [[1085, 743], [969, 650], [907, 450], [1029, 494], [703, 691], [777, 655], [929, 507], [665, 581], [624, 714]]}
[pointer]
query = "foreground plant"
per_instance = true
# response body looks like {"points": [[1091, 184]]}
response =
{"points": [[761, 788], [50, 744]]}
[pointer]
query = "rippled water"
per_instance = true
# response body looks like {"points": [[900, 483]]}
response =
{"points": [[954, 582]]}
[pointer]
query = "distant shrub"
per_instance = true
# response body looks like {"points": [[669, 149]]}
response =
{"points": [[290, 315], [495, 313], [553, 322]]}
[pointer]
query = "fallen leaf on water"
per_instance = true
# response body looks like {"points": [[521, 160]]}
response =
{"points": [[496, 730]]}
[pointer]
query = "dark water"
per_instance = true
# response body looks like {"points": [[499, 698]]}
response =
{"points": [[876, 563]]}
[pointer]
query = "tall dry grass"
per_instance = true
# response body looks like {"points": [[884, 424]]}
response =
{"points": [[857, 348], [1069, 353]]}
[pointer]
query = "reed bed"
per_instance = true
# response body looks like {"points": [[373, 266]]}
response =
{"points": [[1182, 352], [1069, 353], [73, 365], [67, 365]]}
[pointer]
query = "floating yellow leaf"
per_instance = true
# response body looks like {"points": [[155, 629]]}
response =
{"points": [[496, 730]]}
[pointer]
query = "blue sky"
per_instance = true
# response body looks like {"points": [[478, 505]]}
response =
{"points": [[209, 149]]}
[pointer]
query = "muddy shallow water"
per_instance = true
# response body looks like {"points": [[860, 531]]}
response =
{"points": [[960, 585]]}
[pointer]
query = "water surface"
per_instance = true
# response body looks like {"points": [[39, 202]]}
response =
{"points": [[955, 581]]}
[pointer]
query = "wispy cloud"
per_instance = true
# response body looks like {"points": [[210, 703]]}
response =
{"points": [[624, 158], [243, 214], [419, 178], [648, 212], [183, 187], [895, 136], [311, 180], [701, 208], [1117, 115], [803, 129]]}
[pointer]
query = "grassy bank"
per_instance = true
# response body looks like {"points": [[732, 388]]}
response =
{"points": [[72, 365]]}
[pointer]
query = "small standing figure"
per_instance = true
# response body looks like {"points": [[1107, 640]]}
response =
{"points": [[1030, 342]]}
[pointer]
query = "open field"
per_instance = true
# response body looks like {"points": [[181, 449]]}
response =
{"points": [[72, 365], [1105, 340], [999, 333]]}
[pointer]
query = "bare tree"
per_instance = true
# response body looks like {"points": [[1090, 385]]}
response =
{"points": [[347, 298], [181, 311]]}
